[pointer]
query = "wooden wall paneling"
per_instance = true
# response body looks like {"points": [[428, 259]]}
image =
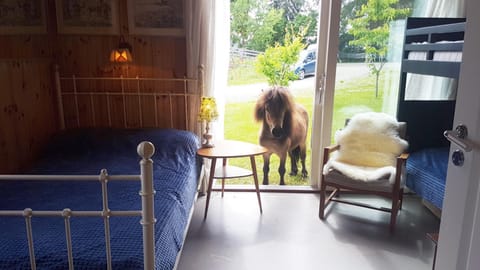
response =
{"points": [[65, 56], [148, 111], [160, 60], [116, 109], [163, 112], [69, 111], [17, 120], [101, 53], [84, 60], [132, 111], [41, 120], [86, 111], [179, 112], [173, 64], [180, 57], [193, 108], [28, 115], [142, 56], [101, 111], [149, 103], [8, 139], [25, 46]]}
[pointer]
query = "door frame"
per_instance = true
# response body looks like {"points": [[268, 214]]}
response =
{"points": [[327, 36], [459, 240]]}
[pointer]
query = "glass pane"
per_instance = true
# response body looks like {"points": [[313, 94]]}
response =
{"points": [[368, 68]]}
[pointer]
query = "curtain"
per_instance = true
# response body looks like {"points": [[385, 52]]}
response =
{"points": [[208, 42], [440, 8], [423, 87]]}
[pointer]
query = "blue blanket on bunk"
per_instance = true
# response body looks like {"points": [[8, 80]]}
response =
{"points": [[87, 152], [427, 173]]}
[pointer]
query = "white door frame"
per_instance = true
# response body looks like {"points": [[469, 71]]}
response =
{"points": [[459, 242], [329, 22]]}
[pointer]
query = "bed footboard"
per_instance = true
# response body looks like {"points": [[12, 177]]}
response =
{"points": [[145, 150]]}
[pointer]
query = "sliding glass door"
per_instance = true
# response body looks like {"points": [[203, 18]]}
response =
{"points": [[359, 70]]}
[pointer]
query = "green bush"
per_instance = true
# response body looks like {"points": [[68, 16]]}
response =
{"points": [[276, 63]]}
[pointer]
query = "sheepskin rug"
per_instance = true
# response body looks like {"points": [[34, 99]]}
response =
{"points": [[369, 145]]}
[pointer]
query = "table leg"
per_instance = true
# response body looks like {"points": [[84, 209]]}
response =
{"points": [[223, 179], [255, 180], [210, 183]]}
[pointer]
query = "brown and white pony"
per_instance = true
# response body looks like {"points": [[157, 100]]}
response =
{"points": [[284, 130]]}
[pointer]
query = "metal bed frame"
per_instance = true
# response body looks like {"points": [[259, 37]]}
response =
{"points": [[145, 150], [187, 83]]}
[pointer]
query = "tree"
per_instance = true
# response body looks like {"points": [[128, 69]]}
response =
{"points": [[254, 24], [258, 24], [371, 30], [349, 11], [264, 33], [276, 62], [298, 13], [241, 22]]}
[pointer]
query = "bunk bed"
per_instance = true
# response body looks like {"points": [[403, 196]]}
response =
{"points": [[432, 47], [87, 203]]}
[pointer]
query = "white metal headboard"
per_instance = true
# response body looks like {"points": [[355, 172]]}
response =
{"points": [[191, 93]]}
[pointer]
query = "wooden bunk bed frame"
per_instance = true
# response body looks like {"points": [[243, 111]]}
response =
{"points": [[428, 119]]}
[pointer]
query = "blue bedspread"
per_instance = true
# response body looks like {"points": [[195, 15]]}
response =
{"points": [[427, 173], [87, 152]]}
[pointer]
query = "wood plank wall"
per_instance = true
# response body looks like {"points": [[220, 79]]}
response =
{"points": [[28, 116], [27, 101]]}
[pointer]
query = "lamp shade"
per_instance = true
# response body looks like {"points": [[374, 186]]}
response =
{"points": [[121, 55], [208, 109]]}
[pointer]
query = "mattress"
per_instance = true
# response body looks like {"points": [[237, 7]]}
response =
{"points": [[446, 56], [427, 173], [176, 170]]}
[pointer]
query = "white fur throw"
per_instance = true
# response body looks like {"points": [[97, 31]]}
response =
{"points": [[369, 145]]}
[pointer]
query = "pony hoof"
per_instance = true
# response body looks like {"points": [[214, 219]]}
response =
{"points": [[282, 183], [304, 175], [293, 173]]}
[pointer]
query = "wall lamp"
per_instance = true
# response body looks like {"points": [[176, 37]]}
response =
{"points": [[123, 53]]}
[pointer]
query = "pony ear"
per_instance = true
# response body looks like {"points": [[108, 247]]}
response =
{"points": [[259, 112]]}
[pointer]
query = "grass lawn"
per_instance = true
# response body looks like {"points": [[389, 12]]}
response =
{"points": [[350, 97]]}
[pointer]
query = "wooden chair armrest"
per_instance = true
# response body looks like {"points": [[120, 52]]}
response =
{"points": [[404, 156], [401, 160], [332, 148], [326, 152]]}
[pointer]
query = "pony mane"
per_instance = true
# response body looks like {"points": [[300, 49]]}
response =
{"points": [[281, 93]]}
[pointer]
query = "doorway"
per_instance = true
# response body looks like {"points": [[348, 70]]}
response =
{"points": [[255, 27]]}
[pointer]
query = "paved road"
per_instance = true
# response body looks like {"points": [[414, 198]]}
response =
{"points": [[345, 71]]}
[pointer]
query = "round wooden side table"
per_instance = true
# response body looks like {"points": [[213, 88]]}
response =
{"points": [[231, 149]]}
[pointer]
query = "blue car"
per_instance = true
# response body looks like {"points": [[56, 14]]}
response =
{"points": [[306, 64]]}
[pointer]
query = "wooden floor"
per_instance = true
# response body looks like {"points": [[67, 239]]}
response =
{"points": [[289, 235]]}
